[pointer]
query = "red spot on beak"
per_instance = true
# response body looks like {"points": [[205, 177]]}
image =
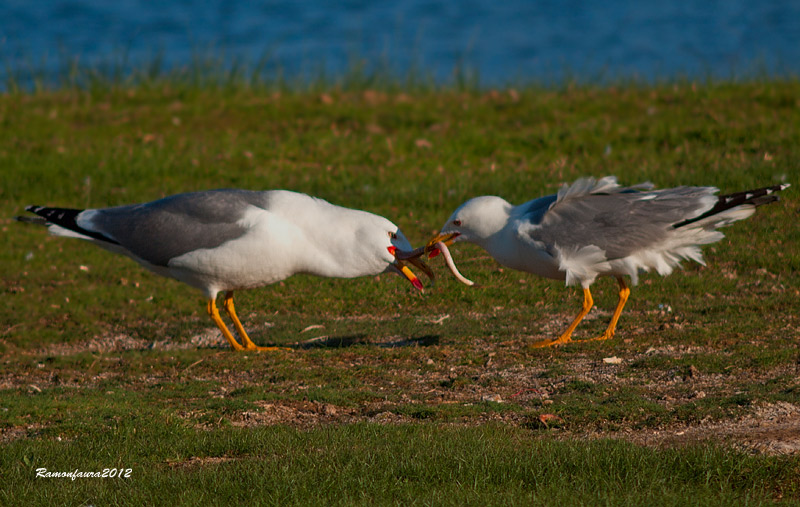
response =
{"points": [[416, 283], [392, 249]]}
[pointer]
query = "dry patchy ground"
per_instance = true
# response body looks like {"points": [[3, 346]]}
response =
{"points": [[412, 380]]}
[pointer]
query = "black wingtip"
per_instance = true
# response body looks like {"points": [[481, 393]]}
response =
{"points": [[66, 218], [757, 197], [31, 220]]}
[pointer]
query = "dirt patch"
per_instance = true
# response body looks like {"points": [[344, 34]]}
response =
{"points": [[198, 462], [299, 414], [769, 429], [12, 433], [428, 379], [208, 338], [772, 429]]}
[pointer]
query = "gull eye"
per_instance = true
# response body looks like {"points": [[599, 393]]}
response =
{"points": [[393, 235], [457, 222]]}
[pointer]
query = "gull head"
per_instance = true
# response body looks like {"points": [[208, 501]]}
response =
{"points": [[475, 221], [397, 252]]}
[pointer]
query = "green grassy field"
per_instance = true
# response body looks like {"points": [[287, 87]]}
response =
{"points": [[388, 395]]}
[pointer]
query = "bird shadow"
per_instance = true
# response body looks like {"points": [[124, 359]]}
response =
{"points": [[339, 342]]}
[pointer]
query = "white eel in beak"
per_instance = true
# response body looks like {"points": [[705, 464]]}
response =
{"points": [[448, 259], [439, 244]]}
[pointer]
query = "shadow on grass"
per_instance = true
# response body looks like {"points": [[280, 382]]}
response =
{"points": [[338, 342]]}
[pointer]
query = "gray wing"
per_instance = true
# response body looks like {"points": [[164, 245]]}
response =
{"points": [[534, 211], [161, 230], [621, 222]]}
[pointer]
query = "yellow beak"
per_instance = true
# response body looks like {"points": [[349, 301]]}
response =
{"points": [[408, 274], [447, 238]]}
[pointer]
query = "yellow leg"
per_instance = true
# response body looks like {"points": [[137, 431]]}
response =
{"points": [[624, 292], [214, 313], [248, 343], [566, 336]]}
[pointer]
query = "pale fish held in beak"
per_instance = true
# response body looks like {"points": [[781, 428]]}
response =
{"points": [[439, 244]]}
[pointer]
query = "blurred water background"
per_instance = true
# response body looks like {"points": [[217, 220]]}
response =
{"points": [[488, 42]]}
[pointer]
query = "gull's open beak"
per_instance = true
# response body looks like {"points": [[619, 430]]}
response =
{"points": [[446, 238], [412, 257], [406, 272]]}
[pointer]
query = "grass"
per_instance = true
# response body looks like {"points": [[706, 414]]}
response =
{"points": [[404, 464], [391, 396]]}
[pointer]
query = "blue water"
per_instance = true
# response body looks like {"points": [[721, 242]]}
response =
{"points": [[498, 42]]}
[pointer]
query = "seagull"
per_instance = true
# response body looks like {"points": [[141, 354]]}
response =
{"points": [[597, 228], [228, 239]]}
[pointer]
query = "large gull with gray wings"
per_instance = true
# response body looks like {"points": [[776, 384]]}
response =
{"points": [[597, 228], [227, 240]]}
